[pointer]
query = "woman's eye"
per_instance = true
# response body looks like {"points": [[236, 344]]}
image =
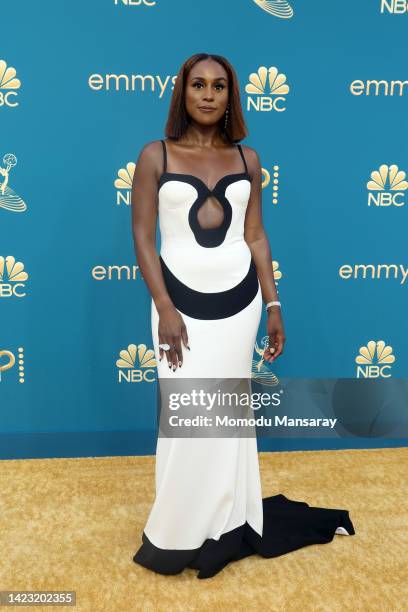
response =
{"points": [[218, 85]]}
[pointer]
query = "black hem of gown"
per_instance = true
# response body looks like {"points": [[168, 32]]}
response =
{"points": [[287, 526]]}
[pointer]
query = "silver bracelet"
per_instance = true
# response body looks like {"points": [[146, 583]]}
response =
{"points": [[274, 303]]}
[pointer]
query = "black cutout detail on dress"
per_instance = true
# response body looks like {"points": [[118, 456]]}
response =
{"points": [[208, 237], [287, 526], [218, 305]]}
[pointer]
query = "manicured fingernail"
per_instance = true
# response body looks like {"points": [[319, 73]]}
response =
{"points": [[188, 347], [180, 364]]}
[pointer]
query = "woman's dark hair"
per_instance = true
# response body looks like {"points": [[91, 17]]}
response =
{"points": [[178, 118]]}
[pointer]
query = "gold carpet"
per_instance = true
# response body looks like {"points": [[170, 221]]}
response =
{"points": [[74, 524]]}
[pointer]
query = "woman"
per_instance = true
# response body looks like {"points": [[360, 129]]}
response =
{"points": [[207, 287]]}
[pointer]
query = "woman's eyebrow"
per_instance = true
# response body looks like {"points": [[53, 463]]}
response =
{"points": [[221, 78]]}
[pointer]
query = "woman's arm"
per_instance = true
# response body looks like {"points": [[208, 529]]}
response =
{"points": [[144, 206], [258, 242]]}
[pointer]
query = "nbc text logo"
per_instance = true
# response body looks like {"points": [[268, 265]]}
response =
{"points": [[136, 364], [135, 2], [277, 8], [374, 360], [12, 277], [123, 184], [396, 7], [267, 89], [387, 186], [8, 84]]}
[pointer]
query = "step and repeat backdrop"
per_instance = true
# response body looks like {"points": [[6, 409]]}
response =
{"points": [[83, 87]]}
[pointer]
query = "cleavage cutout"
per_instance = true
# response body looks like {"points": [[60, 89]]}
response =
{"points": [[211, 214]]}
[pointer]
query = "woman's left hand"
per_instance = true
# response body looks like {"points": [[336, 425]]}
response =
{"points": [[276, 334]]}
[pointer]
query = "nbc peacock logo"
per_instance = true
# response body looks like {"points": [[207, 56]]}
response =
{"points": [[277, 8], [374, 360], [12, 278], [123, 184], [9, 199], [8, 85], [136, 364], [267, 90], [387, 186]]}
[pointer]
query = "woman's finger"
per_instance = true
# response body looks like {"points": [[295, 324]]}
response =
{"points": [[279, 346], [184, 337], [179, 351], [166, 340], [173, 353], [161, 351], [270, 349], [278, 343]]}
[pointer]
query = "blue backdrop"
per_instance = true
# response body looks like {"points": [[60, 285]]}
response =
{"points": [[83, 86]]}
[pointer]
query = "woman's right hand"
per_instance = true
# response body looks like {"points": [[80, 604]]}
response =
{"points": [[172, 330]]}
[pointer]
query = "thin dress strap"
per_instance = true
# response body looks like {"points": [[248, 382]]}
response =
{"points": [[243, 158], [164, 156]]}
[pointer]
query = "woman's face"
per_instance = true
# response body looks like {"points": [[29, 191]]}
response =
{"points": [[206, 86]]}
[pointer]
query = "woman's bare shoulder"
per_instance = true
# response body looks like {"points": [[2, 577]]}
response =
{"points": [[150, 157], [151, 149], [252, 158], [250, 153]]}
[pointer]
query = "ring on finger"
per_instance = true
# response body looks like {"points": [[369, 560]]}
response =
{"points": [[164, 346]]}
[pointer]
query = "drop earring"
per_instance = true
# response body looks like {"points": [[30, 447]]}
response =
{"points": [[226, 118]]}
